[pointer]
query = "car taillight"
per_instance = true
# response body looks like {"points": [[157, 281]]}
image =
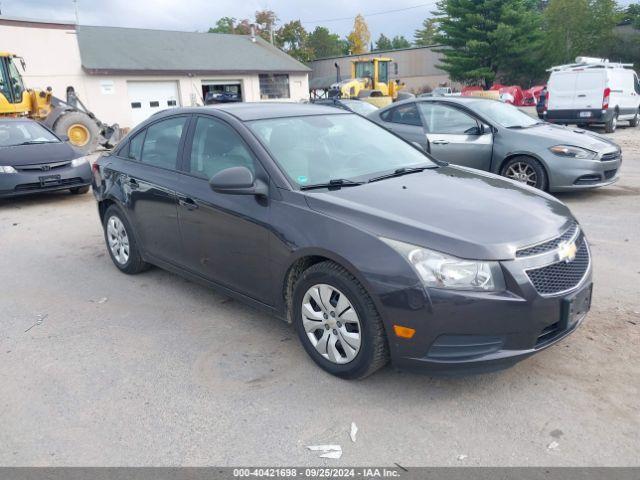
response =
{"points": [[95, 170], [605, 98]]}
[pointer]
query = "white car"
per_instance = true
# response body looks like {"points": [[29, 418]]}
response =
{"points": [[593, 91]]}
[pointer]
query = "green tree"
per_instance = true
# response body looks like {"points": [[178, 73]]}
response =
{"points": [[224, 25], [487, 40], [578, 27], [293, 39], [632, 13], [400, 42], [323, 43], [383, 43], [425, 36], [360, 36]]}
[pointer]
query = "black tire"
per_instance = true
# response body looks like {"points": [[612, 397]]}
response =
{"points": [[374, 350], [68, 119], [134, 263], [542, 180], [635, 121], [79, 190], [612, 124]]}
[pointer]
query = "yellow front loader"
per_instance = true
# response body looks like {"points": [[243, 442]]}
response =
{"points": [[369, 81], [68, 119]]}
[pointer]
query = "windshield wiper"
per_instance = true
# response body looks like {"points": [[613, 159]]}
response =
{"points": [[336, 183], [399, 172], [34, 142], [520, 127]]}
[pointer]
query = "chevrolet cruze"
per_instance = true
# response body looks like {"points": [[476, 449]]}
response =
{"points": [[370, 248]]}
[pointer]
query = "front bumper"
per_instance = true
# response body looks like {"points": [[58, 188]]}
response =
{"points": [[35, 181], [570, 174], [461, 333], [578, 116]]}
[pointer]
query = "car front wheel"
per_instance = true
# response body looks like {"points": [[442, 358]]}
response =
{"points": [[526, 170], [338, 323], [121, 243], [635, 121]]}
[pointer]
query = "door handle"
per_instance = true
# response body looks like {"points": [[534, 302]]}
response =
{"points": [[133, 184], [440, 142], [582, 95], [188, 203]]}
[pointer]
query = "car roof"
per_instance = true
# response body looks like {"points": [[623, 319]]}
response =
{"points": [[17, 119], [263, 110], [458, 100]]}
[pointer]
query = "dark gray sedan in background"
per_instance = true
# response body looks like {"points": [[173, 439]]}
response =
{"points": [[371, 249], [33, 159], [497, 137]]}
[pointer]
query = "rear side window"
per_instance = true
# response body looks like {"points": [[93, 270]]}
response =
{"points": [[162, 142], [444, 119], [217, 146], [135, 147], [405, 114]]}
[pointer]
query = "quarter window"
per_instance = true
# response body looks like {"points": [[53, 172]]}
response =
{"points": [[217, 146], [447, 120], [162, 142], [135, 147], [274, 86], [406, 114]]}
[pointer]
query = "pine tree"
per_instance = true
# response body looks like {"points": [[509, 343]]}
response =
{"points": [[425, 36], [383, 42], [488, 40]]}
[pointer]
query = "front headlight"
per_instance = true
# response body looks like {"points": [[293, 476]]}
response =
{"points": [[573, 152], [439, 270], [7, 169], [76, 162]]}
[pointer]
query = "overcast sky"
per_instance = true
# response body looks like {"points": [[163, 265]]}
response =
{"points": [[192, 15]]}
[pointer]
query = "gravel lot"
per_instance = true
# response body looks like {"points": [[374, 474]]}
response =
{"points": [[102, 369]]}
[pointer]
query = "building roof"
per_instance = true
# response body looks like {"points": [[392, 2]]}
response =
{"points": [[141, 51], [379, 53]]}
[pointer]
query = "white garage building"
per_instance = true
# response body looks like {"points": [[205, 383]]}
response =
{"points": [[124, 75]]}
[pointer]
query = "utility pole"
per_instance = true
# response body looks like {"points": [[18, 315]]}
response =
{"points": [[75, 7]]}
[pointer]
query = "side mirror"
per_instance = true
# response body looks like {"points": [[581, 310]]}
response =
{"points": [[238, 181], [484, 128], [64, 138]]}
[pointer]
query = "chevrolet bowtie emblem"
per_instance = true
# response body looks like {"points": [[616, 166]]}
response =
{"points": [[567, 251]]}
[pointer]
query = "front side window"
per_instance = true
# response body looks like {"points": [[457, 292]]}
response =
{"points": [[447, 120], [405, 114], [383, 72], [318, 148], [364, 70], [636, 83], [162, 142], [217, 146], [14, 133], [16, 82], [274, 86]]}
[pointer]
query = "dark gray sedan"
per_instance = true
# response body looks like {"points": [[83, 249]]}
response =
{"points": [[499, 138], [33, 159], [372, 250]]}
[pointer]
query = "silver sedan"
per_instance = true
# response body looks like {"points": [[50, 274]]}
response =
{"points": [[499, 138]]}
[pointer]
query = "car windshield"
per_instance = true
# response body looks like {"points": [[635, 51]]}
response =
{"points": [[504, 114], [317, 149], [360, 107], [14, 133]]}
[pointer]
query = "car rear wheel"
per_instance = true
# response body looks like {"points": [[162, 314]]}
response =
{"points": [[121, 243], [526, 170], [338, 323], [79, 190]]}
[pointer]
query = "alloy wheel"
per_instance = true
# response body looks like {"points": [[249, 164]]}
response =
{"points": [[118, 240], [522, 172], [331, 323]]}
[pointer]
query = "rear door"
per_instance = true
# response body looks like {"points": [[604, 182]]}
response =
{"points": [[562, 90], [455, 136], [405, 121], [149, 182], [590, 85]]}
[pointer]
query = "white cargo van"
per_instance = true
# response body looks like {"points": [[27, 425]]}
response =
{"points": [[593, 91]]}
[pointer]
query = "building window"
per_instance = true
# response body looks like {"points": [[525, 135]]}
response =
{"points": [[274, 86]]}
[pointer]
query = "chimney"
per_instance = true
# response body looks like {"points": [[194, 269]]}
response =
{"points": [[253, 33]]}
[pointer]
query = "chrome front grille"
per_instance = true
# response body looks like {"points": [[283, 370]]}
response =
{"points": [[607, 157], [550, 245], [562, 276], [42, 167]]}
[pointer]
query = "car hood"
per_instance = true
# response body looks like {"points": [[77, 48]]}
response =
{"points": [[34, 154], [561, 135], [455, 210]]}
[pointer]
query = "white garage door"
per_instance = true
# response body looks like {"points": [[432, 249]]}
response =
{"points": [[147, 98]]}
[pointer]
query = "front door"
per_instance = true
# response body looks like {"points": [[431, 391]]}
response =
{"points": [[456, 137], [225, 237], [149, 180]]}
